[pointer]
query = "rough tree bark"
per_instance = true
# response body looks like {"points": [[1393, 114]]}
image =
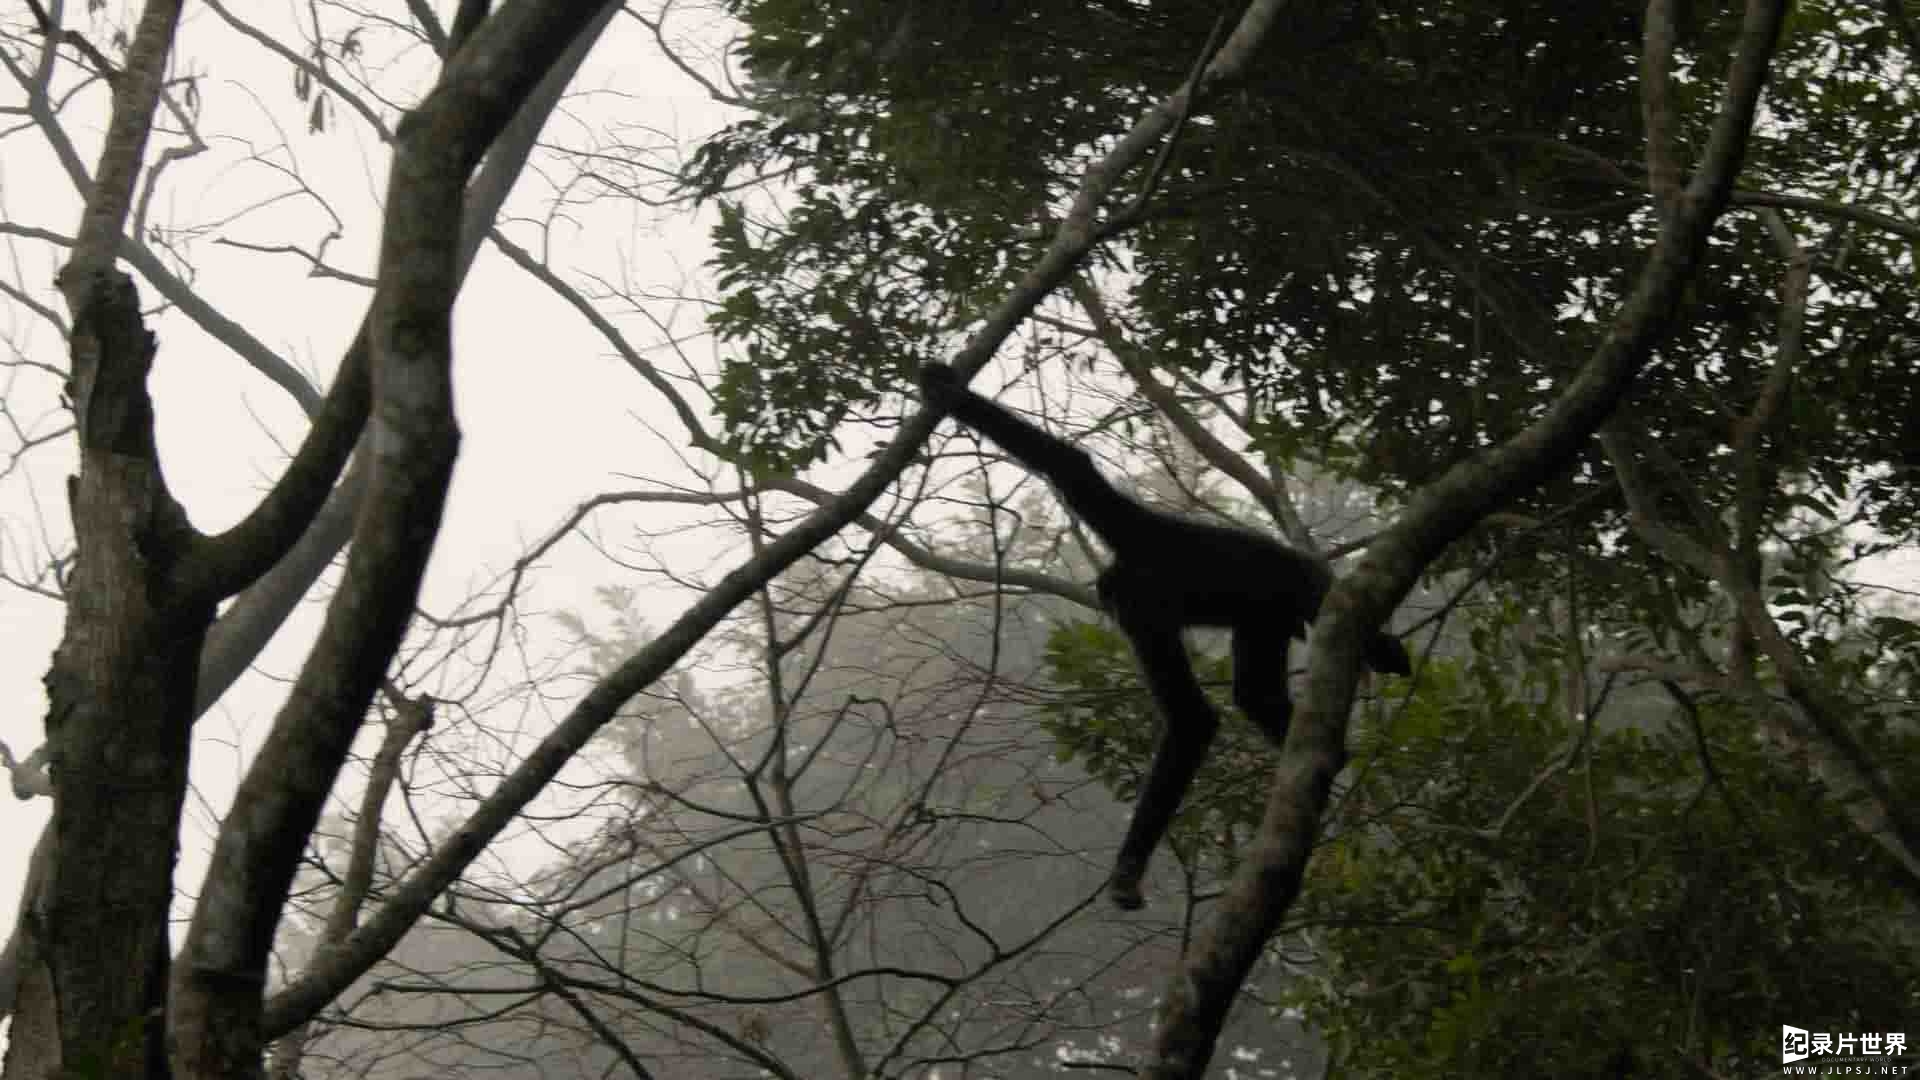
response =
{"points": [[122, 687], [214, 1019], [243, 630]]}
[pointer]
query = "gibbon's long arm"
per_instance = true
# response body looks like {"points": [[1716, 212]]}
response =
{"points": [[1104, 508], [1194, 573]]}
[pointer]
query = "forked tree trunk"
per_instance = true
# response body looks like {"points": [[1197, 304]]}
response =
{"points": [[120, 709]]}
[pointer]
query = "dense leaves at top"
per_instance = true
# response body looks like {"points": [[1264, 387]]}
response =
{"points": [[1403, 229]]}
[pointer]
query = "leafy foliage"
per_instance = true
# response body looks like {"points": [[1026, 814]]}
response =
{"points": [[1398, 236], [1617, 910], [1507, 891], [1400, 231]]}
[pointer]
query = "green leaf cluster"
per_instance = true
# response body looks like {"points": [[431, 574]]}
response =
{"points": [[1508, 892], [1401, 230]]}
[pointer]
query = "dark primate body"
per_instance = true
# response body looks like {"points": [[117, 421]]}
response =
{"points": [[1169, 573]]}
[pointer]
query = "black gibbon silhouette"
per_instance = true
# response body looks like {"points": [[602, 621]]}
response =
{"points": [[1169, 573]]}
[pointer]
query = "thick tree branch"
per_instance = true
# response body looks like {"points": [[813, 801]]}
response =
{"points": [[407, 719], [220, 566], [1731, 558], [1849, 773], [247, 625], [1197, 1001], [1753, 460], [214, 1022], [135, 93], [21, 957], [116, 688], [1638, 489], [1658, 111]]}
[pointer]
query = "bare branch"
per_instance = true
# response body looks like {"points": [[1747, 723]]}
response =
{"points": [[214, 1014], [1216, 453], [1825, 208], [247, 625], [1073, 238], [29, 776]]}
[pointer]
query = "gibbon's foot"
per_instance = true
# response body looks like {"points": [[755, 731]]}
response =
{"points": [[1124, 890]]}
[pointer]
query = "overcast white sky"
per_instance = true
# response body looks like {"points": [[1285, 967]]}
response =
{"points": [[550, 417]]}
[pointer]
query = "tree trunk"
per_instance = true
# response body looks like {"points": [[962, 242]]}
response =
{"points": [[120, 708]]}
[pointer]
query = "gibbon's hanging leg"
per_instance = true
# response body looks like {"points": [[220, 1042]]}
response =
{"points": [[1187, 727], [1170, 573], [1260, 669]]}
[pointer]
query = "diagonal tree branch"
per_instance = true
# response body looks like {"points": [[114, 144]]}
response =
{"points": [[1073, 238], [250, 622], [1197, 1000], [215, 1008]]}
